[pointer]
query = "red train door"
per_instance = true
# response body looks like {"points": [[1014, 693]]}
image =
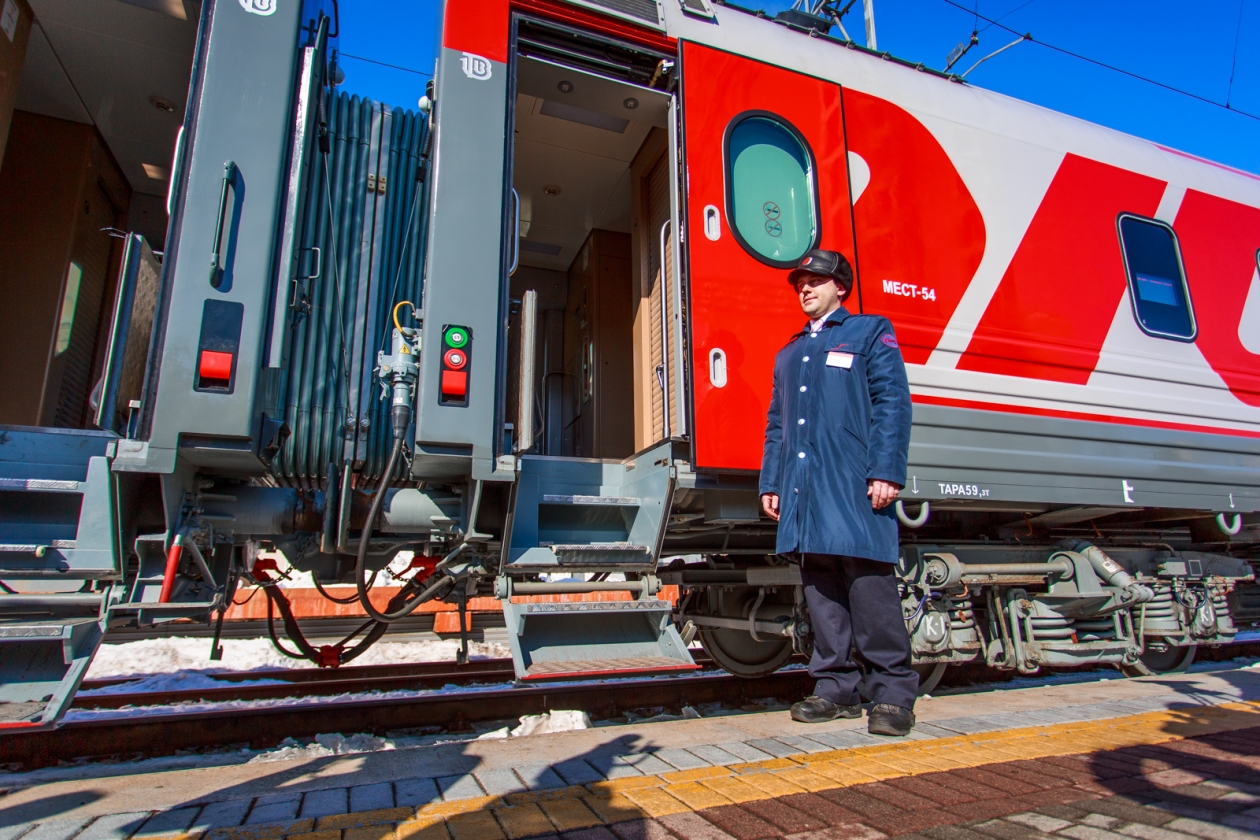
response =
{"points": [[766, 180]]}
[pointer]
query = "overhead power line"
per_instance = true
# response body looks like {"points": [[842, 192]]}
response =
{"points": [[383, 64], [1028, 36]]}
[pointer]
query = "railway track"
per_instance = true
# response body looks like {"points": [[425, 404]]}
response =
{"points": [[145, 735], [490, 697]]}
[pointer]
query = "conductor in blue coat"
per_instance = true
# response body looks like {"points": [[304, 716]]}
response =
{"points": [[837, 437]]}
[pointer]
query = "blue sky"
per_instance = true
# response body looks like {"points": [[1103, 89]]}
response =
{"points": [[1184, 45]]}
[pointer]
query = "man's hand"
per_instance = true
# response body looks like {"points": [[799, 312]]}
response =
{"points": [[882, 493], [770, 504]]}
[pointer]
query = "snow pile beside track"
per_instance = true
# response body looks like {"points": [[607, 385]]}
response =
{"points": [[176, 681], [323, 746], [178, 654], [565, 720]]}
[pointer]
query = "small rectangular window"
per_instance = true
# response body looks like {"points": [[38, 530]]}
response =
{"points": [[69, 302], [1157, 278]]}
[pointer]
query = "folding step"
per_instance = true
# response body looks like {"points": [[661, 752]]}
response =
{"points": [[567, 641], [60, 566], [574, 515], [42, 662]]}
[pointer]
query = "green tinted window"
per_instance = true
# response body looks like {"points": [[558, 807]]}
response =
{"points": [[770, 184]]}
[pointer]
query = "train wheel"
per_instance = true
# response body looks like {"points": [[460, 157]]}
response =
{"points": [[735, 650], [1169, 660], [930, 674]]}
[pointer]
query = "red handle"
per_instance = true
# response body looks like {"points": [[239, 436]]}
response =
{"points": [[172, 565]]}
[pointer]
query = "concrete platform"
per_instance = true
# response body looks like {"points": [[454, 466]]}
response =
{"points": [[1177, 754]]}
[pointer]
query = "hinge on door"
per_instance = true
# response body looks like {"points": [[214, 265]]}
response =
{"points": [[376, 184]]}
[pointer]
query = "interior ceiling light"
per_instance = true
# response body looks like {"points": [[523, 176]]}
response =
{"points": [[162, 104], [551, 189], [157, 173], [631, 103], [565, 86]]}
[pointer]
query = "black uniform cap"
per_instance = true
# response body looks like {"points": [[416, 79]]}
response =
{"points": [[831, 264]]}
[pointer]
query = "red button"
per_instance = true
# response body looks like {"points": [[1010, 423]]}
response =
{"points": [[454, 383], [215, 365], [455, 359]]}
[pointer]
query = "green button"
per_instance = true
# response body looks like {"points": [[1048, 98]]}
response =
{"points": [[455, 336]]}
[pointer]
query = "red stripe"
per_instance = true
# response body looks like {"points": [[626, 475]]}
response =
{"points": [[614, 27], [19, 724], [479, 27], [924, 399]]}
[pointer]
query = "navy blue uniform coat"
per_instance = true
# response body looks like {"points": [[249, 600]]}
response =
{"points": [[830, 429]]}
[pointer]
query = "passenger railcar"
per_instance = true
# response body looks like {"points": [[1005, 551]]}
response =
{"points": [[526, 332]]}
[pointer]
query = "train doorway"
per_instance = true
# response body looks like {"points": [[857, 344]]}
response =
{"points": [[591, 178]]}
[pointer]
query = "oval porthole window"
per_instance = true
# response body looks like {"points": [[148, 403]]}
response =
{"points": [[771, 194]]}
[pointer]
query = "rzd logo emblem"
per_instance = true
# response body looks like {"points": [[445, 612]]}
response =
{"points": [[475, 67], [259, 7]]}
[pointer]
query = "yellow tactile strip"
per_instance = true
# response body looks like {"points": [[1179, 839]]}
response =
{"points": [[534, 813]]}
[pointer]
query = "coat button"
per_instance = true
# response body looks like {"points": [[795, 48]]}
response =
{"points": [[803, 388], [796, 489], [800, 454], [801, 422], [805, 358]]}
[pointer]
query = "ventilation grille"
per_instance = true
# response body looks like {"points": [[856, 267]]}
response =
{"points": [[645, 12]]}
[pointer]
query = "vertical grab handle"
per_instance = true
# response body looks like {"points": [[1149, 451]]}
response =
{"points": [[516, 247], [664, 372], [217, 257]]}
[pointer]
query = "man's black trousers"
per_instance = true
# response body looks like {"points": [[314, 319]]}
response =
{"points": [[853, 604]]}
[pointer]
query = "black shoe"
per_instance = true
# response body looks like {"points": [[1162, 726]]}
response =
{"points": [[815, 709], [887, 719]]}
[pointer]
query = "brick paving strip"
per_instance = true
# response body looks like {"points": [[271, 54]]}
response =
{"points": [[1166, 775]]}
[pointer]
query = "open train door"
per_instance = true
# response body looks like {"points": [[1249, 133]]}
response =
{"points": [[767, 179]]}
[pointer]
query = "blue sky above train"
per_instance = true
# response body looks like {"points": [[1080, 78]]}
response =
{"points": [[1170, 42]]}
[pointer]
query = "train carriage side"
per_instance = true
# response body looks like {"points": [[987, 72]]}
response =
{"points": [[1075, 332]]}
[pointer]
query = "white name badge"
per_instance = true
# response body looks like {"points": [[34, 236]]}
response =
{"points": [[840, 360]]}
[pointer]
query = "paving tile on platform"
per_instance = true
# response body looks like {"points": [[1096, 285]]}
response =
{"points": [[804, 744], [459, 787], [325, 803], [643, 829], [849, 738], [691, 826], [682, 759], [58, 829], [575, 771], [646, 763], [499, 782], [114, 826], [1200, 828], [13, 832], [169, 822], [775, 747], [717, 756], [414, 792], [742, 751], [540, 777], [224, 814], [371, 797], [612, 766], [968, 725], [274, 808]]}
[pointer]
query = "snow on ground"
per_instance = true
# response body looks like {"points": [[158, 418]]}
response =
{"points": [[182, 655]]}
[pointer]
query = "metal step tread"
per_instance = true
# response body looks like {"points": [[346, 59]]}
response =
{"points": [[52, 629], [653, 605], [598, 667], [570, 548], [31, 548], [41, 485], [563, 499]]}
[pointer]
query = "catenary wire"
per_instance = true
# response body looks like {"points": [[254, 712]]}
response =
{"points": [[1105, 65]]}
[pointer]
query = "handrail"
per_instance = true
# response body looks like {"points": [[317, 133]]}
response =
{"points": [[664, 339]]}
